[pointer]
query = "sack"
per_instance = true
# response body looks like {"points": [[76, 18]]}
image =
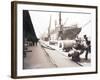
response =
{"points": [[76, 57]]}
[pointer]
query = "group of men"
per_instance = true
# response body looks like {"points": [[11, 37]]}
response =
{"points": [[81, 46]]}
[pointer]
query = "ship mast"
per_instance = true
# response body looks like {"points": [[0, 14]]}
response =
{"points": [[60, 33], [49, 37], [60, 18]]}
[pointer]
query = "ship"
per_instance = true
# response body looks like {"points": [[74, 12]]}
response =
{"points": [[62, 32]]}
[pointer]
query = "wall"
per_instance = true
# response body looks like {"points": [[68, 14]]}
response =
{"points": [[5, 40]]}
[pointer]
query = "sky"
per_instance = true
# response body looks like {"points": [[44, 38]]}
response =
{"points": [[41, 21]]}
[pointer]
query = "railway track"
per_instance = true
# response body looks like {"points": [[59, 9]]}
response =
{"points": [[44, 47], [50, 58]]}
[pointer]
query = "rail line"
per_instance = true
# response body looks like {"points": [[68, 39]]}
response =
{"points": [[43, 46], [50, 58]]}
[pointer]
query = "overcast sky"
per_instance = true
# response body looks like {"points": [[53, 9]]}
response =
{"points": [[41, 20]]}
